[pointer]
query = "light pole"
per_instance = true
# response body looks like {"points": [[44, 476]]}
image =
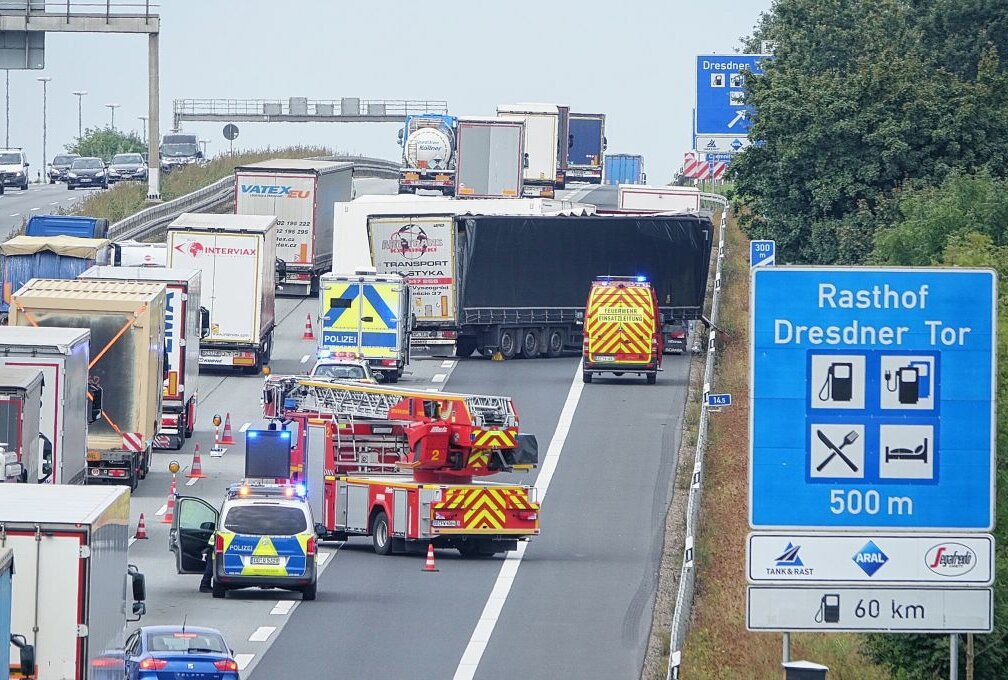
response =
{"points": [[7, 110], [80, 97], [112, 108], [45, 81], [144, 119]]}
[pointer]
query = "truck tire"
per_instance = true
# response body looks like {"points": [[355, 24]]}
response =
{"points": [[508, 342], [134, 479], [219, 591], [267, 352], [555, 345], [652, 378], [380, 537], [308, 592], [530, 343], [586, 377], [392, 377], [464, 347]]}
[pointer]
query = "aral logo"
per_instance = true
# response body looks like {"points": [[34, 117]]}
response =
{"points": [[870, 558], [950, 559]]}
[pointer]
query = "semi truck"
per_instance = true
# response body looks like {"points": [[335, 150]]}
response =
{"points": [[621, 168], [62, 355], [428, 153], [640, 198], [546, 141], [585, 147], [47, 257], [126, 320], [491, 158], [518, 284], [236, 255], [368, 316], [73, 588], [20, 416], [185, 322], [67, 225], [301, 194]]}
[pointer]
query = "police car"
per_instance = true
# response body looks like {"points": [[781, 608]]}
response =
{"points": [[263, 536], [343, 366]]}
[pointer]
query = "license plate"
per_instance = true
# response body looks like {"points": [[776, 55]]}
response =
{"points": [[271, 561], [85, 181], [604, 357]]}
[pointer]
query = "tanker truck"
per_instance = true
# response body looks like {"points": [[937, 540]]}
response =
{"points": [[428, 160]]}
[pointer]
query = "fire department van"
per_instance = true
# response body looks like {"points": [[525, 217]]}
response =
{"points": [[622, 328]]}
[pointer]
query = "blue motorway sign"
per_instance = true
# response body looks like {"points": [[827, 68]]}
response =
{"points": [[872, 398], [718, 400], [762, 253], [720, 93]]}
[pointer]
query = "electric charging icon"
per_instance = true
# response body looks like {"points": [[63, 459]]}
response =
{"points": [[838, 381], [907, 382]]}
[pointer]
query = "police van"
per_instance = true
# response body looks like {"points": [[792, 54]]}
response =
{"points": [[263, 536]]}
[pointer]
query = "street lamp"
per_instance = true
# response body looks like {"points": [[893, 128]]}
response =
{"points": [[45, 81], [144, 119], [112, 108], [80, 97]]}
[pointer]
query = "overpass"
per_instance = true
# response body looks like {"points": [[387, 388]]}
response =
{"points": [[302, 110]]}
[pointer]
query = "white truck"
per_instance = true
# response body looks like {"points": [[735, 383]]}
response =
{"points": [[185, 323], [62, 354], [645, 199], [237, 257], [301, 194], [490, 158], [20, 412], [546, 142], [73, 589]]}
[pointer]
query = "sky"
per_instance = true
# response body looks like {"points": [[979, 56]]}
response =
{"points": [[633, 61]]}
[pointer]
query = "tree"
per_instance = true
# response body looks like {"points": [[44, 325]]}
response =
{"points": [[105, 142]]}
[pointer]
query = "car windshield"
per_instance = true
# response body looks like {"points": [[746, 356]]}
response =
{"points": [[265, 520], [175, 150], [10, 159], [184, 641], [63, 160], [127, 159], [86, 164], [340, 371]]}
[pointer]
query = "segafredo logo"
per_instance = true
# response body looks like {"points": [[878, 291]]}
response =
{"points": [[950, 559]]}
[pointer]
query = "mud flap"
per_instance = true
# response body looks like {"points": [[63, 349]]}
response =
{"points": [[526, 452]]}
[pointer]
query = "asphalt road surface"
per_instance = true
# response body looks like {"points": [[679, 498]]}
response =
{"points": [[17, 206]]}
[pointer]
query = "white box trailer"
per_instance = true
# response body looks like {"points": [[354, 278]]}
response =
{"points": [[71, 580], [352, 249], [20, 416], [544, 124], [237, 257], [301, 194], [640, 198], [139, 254], [184, 324], [490, 158], [62, 354]]}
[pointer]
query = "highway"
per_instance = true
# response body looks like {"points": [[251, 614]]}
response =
{"points": [[17, 206]]}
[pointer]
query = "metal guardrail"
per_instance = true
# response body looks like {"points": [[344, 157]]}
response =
{"points": [[687, 578], [150, 221]]}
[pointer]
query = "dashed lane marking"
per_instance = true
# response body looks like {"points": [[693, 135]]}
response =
{"points": [[34, 209], [244, 427], [262, 634], [304, 359], [132, 541], [439, 378], [192, 481], [283, 607], [163, 510], [447, 364], [243, 660]]}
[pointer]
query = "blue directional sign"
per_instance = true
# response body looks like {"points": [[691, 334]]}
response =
{"points": [[720, 92], [762, 253], [872, 398], [718, 400]]}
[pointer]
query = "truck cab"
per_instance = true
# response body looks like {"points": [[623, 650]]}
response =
{"points": [[622, 329]]}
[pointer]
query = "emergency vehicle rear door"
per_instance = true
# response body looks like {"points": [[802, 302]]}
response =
{"points": [[195, 521]]}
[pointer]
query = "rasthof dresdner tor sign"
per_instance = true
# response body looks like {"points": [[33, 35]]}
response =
{"points": [[872, 398]]}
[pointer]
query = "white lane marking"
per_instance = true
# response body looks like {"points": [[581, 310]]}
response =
{"points": [[505, 579], [244, 427], [192, 481], [262, 634], [57, 203], [447, 364], [243, 660], [304, 359], [283, 607], [15, 215], [439, 378], [132, 541], [432, 389], [163, 510], [322, 557], [34, 209]]}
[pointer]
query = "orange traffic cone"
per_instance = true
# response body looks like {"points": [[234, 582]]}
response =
{"points": [[429, 565], [196, 471], [228, 438], [169, 516], [141, 532], [309, 334]]}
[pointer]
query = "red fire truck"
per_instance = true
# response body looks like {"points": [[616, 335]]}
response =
{"points": [[401, 466]]}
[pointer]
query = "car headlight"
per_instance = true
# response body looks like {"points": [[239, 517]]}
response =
{"points": [[72, 174]]}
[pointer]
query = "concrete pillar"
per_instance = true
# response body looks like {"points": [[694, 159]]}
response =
{"points": [[153, 132]]}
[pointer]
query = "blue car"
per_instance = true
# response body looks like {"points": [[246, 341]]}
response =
{"points": [[158, 652]]}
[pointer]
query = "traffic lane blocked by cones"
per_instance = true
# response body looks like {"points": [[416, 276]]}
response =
{"points": [[228, 437], [309, 334], [429, 564], [196, 471], [141, 532]]}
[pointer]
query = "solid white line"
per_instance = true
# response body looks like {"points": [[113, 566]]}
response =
{"points": [[304, 359], [192, 481], [262, 634], [34, 209], [244, 427], [163, 510], [132, 541], [243, 660], [322, 557], [283, 607], [447, 364], [15, 215], [505, 579], [438, 378]]}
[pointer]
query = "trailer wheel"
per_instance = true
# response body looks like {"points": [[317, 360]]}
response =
{"points": [[586, 377], [380, 533], [556, 343], [530, 343], [309, 591], [508, 343], [134, 479]]}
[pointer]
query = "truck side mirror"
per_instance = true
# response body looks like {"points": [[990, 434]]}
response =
{"points": [[643, 178], [400, 136], [281, 270], [204, 322], [525, 161], [139, 588], [605, 143], [95, 398], [570, 141], [164, 363], [27, 653]]}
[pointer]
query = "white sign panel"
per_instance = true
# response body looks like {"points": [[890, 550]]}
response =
{"points": [[882, 610], [952, 560], [721, 143]]}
